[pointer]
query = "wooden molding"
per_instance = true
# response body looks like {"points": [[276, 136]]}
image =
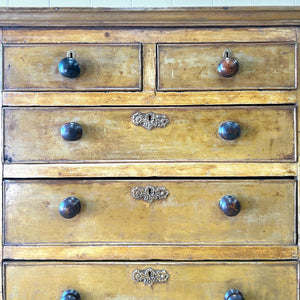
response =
{"points": [[188, 17]]}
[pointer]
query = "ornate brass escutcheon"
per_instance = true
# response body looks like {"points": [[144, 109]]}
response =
{"points": [[150, 193], [150, 276], [150, 120]]}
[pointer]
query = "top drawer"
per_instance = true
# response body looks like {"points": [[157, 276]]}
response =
{"points": [[102, 67], [183, 67]]}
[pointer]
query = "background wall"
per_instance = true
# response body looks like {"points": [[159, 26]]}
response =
{"points": [[143, 3]]}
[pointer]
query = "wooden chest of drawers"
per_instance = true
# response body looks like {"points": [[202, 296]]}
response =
{"points": [[150, 154]]}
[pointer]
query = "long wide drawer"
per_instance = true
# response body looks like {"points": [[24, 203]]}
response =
{"points": [[147, 212], [144, 281], [194, 66], [102, 67], [265, 133]]}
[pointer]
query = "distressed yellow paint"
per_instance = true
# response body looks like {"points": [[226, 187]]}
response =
{"points": [[190, 214], [114, 280], [194, 67], [267, 134], [103, 67]]}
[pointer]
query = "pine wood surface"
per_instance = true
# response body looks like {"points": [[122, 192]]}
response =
{"points": [[198, 26], [103, 67], [114, 280], [151, 169], [148, 98], [193, 67], [150, 252], [267, 134], [149, 35], [189, 214], [187, 17]]}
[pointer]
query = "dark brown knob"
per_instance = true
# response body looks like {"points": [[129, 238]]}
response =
{"points": [[230, 205], [229, 66], [233, 295], [70, 207], [71, 131], [229, 130], [70, 295], [68, 66]]}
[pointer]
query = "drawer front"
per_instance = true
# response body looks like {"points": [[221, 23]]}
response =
{"points": [[185, 211], [205, 281], [118, 134], [103, 67], [194, 66]]}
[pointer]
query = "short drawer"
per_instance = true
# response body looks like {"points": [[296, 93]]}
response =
{"points": [[102, 67], [194, 66], [147, 212], [144, 281], [266, 133]]}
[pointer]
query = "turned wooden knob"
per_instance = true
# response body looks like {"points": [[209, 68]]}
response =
{"points": [[233, 295], [68, 66], [229, 130], [70, 295], [229, 66], [70, 207], [230, 205], [71, 131]]}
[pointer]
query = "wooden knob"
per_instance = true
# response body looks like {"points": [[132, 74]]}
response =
{"points": [[71, 131], [233, 295], [230, 205], [229, 66], [68, 66], [70, 295], [229, 130], [70, 207]]}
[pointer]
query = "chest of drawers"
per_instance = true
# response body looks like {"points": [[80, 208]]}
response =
{"points": [[149, 174]]}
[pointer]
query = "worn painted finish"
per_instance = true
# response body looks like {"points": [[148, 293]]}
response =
{"points": [[190, 213], [267, 134], [151, 35], [187, 17], [150, 252], [148, 98], [158, 169], [114, 280], [250, 235], [103, 67], [194, 67]]}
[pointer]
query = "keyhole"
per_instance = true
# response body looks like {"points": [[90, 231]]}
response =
{"points": [[71, 54], [149, 273], [149, 117], [227, 53]]}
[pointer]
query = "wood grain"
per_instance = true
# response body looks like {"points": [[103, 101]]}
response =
{"points": [[103, 67], [149, 67], [267, 134], [187, 280], [188, 17], [150, 252], [148, 98], [149, 35], [151, 169], [270, 236], [194, 67], [189, 214]]}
